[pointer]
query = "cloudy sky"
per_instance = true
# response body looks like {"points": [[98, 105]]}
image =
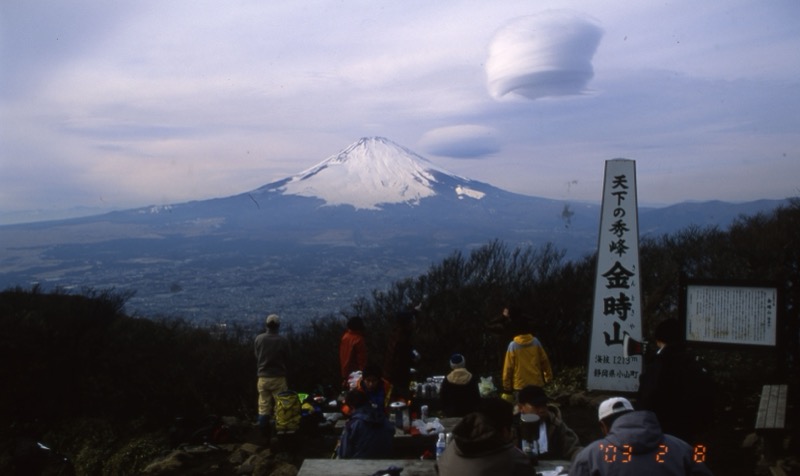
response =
{"points": [[113, 105]]}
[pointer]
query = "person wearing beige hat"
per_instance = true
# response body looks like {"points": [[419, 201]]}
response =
{"points": [[634, 445], [272, 356]]}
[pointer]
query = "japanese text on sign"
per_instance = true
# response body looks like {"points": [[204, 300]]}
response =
{"points": [[617, 292], [732, 314]]}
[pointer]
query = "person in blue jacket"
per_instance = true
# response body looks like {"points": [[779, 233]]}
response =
{"points": [[368, 433]]}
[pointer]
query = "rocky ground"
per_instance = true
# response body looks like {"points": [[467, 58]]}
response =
{"points": [[245, 453]]}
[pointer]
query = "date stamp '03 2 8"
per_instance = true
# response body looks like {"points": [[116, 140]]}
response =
{"points": [[624, 454]]}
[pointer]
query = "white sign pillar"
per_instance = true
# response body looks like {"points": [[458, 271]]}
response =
{"points": [[617, 292]]}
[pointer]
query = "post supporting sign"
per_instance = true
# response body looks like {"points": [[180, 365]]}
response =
{"points": [[617, 292]]}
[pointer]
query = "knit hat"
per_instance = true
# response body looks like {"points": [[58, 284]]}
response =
{"points": [[273, 319], [457, 361], [612, 406]]}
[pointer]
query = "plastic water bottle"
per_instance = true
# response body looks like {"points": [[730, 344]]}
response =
{"points": [[440, 446]]}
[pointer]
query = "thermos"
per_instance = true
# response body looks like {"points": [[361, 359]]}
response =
{"points": [[402, 419]]}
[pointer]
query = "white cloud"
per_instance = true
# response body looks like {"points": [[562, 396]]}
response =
{"points": [[462, 141], [549, 54]]}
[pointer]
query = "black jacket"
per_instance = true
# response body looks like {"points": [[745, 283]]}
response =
{"points": [[459, 393]]}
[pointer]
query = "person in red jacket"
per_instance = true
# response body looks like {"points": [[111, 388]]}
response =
{"points": [[352, 349]]}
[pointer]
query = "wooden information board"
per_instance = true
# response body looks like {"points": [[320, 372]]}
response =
{"points": [[731, 313]]}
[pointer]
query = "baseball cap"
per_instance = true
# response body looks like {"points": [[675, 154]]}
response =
{"points": [[273, 318], [612, 406]]}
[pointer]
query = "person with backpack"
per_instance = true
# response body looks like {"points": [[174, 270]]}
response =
{"points": [[272, 356], [676, 387]]}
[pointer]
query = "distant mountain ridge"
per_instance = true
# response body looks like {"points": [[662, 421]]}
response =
{"points": [[311, 243]]}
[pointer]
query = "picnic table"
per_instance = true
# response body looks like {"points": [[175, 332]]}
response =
{"points": [[411, 467], [407, 445], [366, 467]]}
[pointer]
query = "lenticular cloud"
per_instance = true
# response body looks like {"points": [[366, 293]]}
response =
{"points": [[462, 141], [543, 55]]}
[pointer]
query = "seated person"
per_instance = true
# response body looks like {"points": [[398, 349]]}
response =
{"points": [[555, 439], [375, 387], [483, 444], [459, 394], [368, 433], [634, 444]]}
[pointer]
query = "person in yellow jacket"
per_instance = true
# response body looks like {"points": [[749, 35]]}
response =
{"points": [[526, 363]]}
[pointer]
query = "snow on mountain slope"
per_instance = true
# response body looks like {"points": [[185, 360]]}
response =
{"points": [[372, 172]]}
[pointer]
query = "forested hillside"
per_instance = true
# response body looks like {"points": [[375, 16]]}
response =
{"points": [[87, 379]]}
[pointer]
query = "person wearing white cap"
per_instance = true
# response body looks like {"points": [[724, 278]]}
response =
{"points": [[633, 445]]}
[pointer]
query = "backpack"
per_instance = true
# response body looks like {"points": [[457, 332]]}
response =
{"points": [[287, 411]]}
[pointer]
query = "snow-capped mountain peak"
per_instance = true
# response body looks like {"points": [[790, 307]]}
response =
{"points": [[369, 173]]}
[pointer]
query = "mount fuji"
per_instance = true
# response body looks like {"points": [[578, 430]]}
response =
{"points": [[309, 244], [373, 172]]}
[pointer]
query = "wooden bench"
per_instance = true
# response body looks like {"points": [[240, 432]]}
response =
{"points": [[771, 420], [772, 408]]}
